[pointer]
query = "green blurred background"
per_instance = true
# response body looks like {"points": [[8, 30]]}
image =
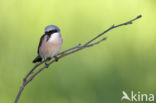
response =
{"points": [[125, 61]]}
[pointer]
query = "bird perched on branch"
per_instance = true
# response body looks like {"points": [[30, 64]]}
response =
{"points": [[50, 44]]}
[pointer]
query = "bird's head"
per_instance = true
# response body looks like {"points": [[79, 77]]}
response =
{"points": [[50, 30]]}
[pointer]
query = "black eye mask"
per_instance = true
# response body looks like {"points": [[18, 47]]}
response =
{"points": [[51, 31]]}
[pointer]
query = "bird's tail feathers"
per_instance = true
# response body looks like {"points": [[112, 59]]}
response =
{"points": [[37, 59]]}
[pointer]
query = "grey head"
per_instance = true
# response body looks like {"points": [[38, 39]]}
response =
{"points": [[50, 29]]}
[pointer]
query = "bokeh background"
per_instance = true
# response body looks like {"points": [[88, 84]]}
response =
{"points": [[125, 61]]}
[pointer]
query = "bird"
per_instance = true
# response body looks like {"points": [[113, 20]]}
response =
{"points": [[50, 44]]}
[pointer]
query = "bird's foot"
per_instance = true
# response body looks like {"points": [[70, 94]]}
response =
{"points": [[56, 58], [49, 58], [46, 65]]}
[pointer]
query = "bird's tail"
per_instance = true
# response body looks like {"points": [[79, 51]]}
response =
{"points": [[37, 59]]}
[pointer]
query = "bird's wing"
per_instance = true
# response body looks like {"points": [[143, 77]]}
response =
{"points": [[41, 39]]}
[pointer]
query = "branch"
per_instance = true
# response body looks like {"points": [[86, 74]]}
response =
{"points": [[30, 76]]}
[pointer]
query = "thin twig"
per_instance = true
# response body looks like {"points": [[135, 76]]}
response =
{"points": [[78, 46], [30, 76]]}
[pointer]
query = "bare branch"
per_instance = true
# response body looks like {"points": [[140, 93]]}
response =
{"points": [[30, 76]]}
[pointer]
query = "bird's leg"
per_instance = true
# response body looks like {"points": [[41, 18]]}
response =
{"points": [[46, 65], [47, 59], [56, 58]]}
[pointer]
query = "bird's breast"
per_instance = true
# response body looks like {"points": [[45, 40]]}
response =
{"points": [[51, 47]]}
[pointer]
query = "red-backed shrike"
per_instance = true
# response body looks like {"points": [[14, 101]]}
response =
{"points": [[50, 44]]}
